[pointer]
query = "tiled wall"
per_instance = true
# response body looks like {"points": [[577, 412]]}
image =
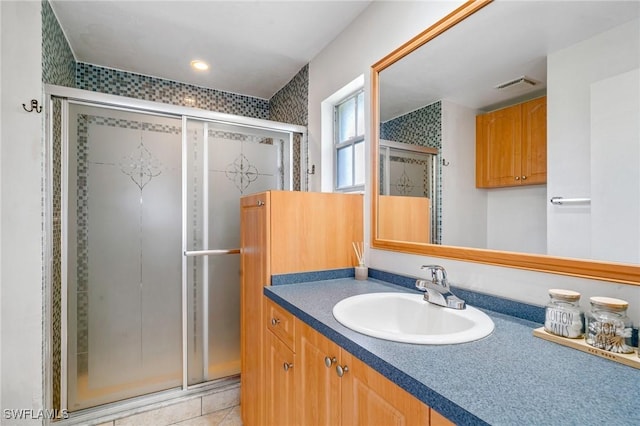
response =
{"points": [[291, 105], [58, 63], [420, 127]]}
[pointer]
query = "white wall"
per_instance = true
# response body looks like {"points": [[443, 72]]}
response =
{"points": [[517, 219], [571, 72], [381, 28], [615, 163], [21, 209], [464, 207]]}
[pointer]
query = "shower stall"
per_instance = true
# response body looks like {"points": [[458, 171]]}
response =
{"points": [[143, 221]]}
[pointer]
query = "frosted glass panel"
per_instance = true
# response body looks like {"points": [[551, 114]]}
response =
{"points": [[124, 260], [224, 163], [411, 174]]}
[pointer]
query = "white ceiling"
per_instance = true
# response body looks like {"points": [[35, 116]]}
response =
{"points": [[254, 48], [501, 42]]}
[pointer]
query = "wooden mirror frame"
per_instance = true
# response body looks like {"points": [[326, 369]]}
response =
{"points": [[599, 270]]}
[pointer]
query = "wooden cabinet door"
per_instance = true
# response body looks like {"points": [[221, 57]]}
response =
{"points": [[438, 419], [498, 148], [279, 381], [534, 142], [254, 264], [370, 399], [318, 386]]}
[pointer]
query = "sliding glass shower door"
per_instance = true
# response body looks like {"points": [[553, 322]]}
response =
{"points": [[123, 269], [150, 248], [223, 162]]}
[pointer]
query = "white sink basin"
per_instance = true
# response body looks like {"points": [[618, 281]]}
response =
{"points": [[404, 317]]}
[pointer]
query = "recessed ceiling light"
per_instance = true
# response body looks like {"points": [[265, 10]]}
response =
{"points": [[199, 65]]}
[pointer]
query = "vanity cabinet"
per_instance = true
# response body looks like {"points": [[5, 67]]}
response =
{"points": [[279, 365], [511, 145], [334, 387], [285, 232]]}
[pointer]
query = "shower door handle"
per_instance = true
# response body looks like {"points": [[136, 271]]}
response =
{"points": [[210, 252]]}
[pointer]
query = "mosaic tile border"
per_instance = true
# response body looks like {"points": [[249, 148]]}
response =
{"points": [[122, 83]]}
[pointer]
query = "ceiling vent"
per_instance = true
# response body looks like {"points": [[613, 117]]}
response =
{"points": [[519, 82]]}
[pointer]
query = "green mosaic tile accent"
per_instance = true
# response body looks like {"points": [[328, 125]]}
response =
{"points": [[122, 83], [291, 105], [58, 62]]}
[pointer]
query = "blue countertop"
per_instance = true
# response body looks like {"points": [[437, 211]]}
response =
{"points": [[507, 378]]}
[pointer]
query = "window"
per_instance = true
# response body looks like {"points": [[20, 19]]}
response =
{"points": [[349, 143]]}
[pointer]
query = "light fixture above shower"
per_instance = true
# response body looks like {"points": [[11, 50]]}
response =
{"points": [[199, 65]]}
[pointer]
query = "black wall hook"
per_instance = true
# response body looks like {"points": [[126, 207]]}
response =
{"points": [[34, 106]]}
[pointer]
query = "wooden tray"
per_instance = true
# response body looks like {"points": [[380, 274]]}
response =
{"points": [[632, 359]]}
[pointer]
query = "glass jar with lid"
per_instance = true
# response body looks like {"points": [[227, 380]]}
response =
{"points": [[608, 326], [563, 316]]}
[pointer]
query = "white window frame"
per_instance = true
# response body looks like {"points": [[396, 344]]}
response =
{"points": [[351, 142], [327, 160]]}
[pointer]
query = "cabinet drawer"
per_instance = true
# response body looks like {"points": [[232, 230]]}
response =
{"points": [[280, 322]]}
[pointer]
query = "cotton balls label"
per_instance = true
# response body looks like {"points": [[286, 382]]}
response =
{"points": [[563, 323]]}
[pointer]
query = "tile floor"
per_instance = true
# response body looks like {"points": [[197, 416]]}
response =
{"points": [[220, 408], [227, 417]]}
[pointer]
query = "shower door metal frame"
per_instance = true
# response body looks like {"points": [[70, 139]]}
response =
{"points": [[66, 95]]}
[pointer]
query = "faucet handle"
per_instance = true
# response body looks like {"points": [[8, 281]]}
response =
{"points": [[438, 274], [455, 302], [421, 285]]}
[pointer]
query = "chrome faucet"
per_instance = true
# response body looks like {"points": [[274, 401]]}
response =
{"points": [[436, 290]]}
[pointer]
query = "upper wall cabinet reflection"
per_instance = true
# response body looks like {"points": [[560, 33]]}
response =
{"points": [[464, 95]]}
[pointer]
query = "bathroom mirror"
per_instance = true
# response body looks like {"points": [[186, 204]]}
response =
{"points": [[584, 57]]}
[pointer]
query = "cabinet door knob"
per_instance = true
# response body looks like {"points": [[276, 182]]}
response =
{"points": [[341, 370], [287, 366], [260, 203], [524, 177], [275, 321], [329, 361], [517, 177]]}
